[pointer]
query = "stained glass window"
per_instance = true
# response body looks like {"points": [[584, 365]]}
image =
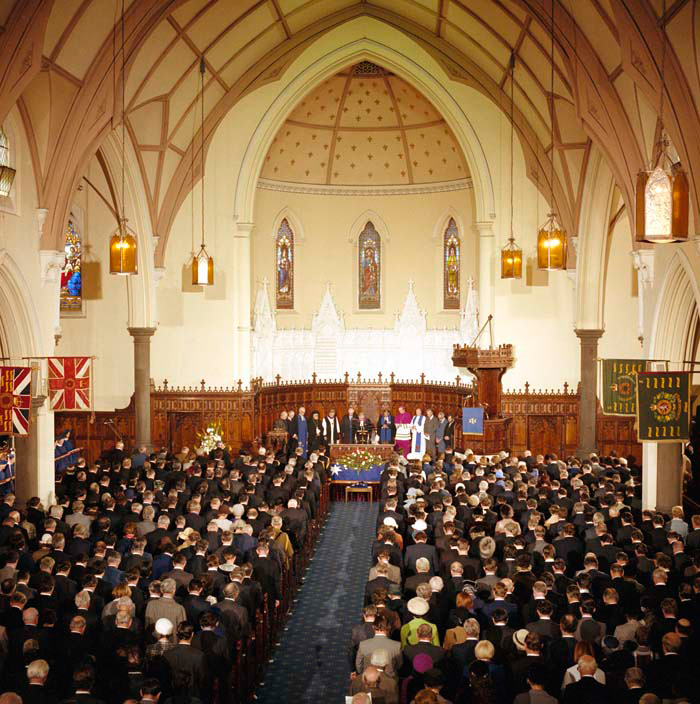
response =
{"points": [[71, 274], [370, 273], [451, 247], [284, 266]]}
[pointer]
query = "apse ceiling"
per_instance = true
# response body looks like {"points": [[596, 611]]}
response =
{"points": [[365, 126], [606, 53]]}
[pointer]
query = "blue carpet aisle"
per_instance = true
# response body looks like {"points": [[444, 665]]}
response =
{"points": [[311, 663]]}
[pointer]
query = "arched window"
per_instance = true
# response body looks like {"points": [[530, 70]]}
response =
{"points": [[71, 274], [284, 267], [370, 271], [451, 266], [7, 173]]}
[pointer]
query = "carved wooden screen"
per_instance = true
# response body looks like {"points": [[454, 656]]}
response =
{"points": [[451, 266], [369, 269], [284, 267]]}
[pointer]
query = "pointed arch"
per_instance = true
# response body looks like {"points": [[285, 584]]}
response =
{"points": [[295, 222], [451, 266], [396, 59], [20, 332], [285, 265], [675, 318]]}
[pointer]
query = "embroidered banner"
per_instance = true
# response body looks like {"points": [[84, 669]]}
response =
{"points": [[663, 406], [620, 385], [473, 421], [15, 400], [69, 383]]}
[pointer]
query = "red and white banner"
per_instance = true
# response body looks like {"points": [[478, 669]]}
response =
{"points": [[70, 380], [15, 400]]}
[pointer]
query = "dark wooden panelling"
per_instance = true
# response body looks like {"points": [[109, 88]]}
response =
{"points": [[542, 421]]}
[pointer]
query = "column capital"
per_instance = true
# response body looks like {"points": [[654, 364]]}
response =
{"points": [[588, 334], [141, 334], [484, 228]]}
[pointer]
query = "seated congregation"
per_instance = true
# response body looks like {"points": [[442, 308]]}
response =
{"points": [[527, 580], [151, 574]]}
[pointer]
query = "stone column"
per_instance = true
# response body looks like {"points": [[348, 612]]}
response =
{"points": [[486, 282], [242, 310], [662, 475], [142, 384], [589, 378], [35, 455]]}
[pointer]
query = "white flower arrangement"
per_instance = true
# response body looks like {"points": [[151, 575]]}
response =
{"points": [[210, 437]]}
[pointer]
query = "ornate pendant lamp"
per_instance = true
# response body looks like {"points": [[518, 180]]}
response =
{"points": [[202, 264], [551, 237], [7, 173], [662, 197], [122, 244], [511, 254]]}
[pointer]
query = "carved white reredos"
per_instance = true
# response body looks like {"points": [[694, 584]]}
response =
{"points": [[329, 349]]}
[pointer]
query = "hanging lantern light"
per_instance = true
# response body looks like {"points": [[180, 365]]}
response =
{"points": [[122, 244], [551, 237], [511, 254], [662, 202], [122, 251], [202, 269], [511, 261], [7, 173], [662, 198], [551, 244], [202, 264]]}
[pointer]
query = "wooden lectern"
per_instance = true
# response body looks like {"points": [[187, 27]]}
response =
{"points": [[488, 366]]}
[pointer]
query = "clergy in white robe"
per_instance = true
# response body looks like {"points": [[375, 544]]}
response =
{"points": [[417, 436], [331, 428]]}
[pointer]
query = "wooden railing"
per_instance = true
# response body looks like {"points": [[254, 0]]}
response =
{"points": [[544, 420], [252, 654]]}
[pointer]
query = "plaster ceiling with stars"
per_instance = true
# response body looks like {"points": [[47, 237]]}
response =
{"points": [[365, 126]]}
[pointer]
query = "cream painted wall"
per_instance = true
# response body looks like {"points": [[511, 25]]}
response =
{"points": [[621, 297], [102, 331], [324, 253]]}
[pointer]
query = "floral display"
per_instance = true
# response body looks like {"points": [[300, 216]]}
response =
{"points": [[208, 438], [360, 460]]}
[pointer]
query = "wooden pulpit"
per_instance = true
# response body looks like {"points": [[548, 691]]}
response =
{"points": [[488, 366]]}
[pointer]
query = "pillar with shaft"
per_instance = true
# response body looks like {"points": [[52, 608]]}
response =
{"points": [[35, 467], [242, 308], [486, 283], [142, 384], [662, 475], [589, 384]]}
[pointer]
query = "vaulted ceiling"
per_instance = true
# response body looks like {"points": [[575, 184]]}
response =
{"points": [[60, 59], [365, 126]]}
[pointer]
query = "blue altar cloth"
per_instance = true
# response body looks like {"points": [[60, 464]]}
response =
{"points": [[339, 473]]}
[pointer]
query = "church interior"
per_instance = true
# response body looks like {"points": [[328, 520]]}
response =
{"points": [[236, 232]]}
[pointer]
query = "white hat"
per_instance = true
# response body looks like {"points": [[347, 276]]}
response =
{"points": [[420, 524], [418, 606], [389, 521], [46, 538], [164, 627]]}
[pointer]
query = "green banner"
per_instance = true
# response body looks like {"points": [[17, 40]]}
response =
{"points": [[663, 403], [620, 385]]}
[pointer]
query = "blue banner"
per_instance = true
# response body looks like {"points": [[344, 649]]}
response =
{"points": [[473, 421], [341, 473]]}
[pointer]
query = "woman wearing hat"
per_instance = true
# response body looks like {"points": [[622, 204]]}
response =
{"points": [[418, 608]]}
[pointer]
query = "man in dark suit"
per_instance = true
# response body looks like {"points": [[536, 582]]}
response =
{"points": [[267, 573], [83, 684], [186, 662], [421, 549], [587, 690], [295, 520], [348, 426], [424, 645], [233, 616]]}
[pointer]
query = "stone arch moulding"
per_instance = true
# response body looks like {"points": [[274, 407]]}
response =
{"points": [[294, 221], [12, 126], [393, 59], [19, 327], [354, 239], [443, 220], [675, 308]]}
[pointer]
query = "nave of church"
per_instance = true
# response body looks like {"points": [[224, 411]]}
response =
{"points": [[265, 264]]}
